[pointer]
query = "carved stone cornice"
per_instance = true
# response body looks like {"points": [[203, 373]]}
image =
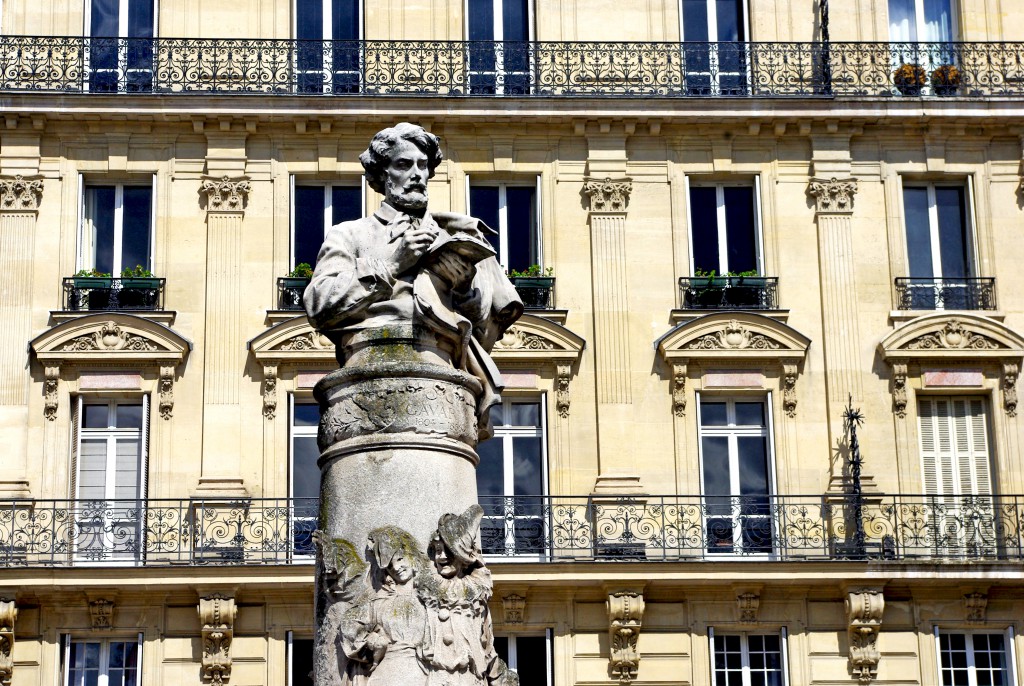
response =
{"points": [[217, 614], [226, 194], [8, 615], [864, 609], [20, 193], [833, 196], [625, 619], [608, 195]]}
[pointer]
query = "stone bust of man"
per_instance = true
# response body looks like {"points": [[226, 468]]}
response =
{"points": [[405, 275]]}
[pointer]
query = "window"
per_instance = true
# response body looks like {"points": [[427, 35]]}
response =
{"points": [[121, 45], [748, 659], [117, 230], [102, 663], [110, 479], [939, 254], [715, 56], [926, 21], [737, 483], [975, 659], [316, 209], [304, 475], [328, 52], [511, 210], [528, 656], [724, 229], [300, 660], [499, 32], [512, 480]]}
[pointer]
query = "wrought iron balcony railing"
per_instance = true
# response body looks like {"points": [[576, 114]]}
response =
{"points": [[289, 292], [37, 533], [536, 292], [75, 64], [729, 292], [945, 294], [106, 293]]}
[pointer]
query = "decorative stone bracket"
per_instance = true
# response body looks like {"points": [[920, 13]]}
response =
{"points": [[608, 195], [625, 618], [8, 615], [975, 607], [864, 608], [20, 193], [747, 606], [226, 194], [217, 614], [514, 606], [833, 196], [101, 613]]}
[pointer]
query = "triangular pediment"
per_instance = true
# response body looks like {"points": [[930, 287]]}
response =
{"points": [[940, 335], [534, 337], [736, 335], [110, 336], [292, 339]]}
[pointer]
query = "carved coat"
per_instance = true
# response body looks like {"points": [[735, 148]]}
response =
{"points": [[460, 643], [397, 620]]}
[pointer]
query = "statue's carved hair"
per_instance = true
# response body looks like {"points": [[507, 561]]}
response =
{"points": [[376, 157]]}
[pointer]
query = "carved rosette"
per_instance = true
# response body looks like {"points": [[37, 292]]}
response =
{"points": [[50, 382], [166, 388], [747, 606], [1009, 383], [608, 195], [217, 614], [101, 613], [625, 619], [8, 615], [20, 193], [975, 607], [269, 391], [514, 606], [226, 194], [864, 608], [833, 196], [563, 374], [679, 389], [899, 388]]}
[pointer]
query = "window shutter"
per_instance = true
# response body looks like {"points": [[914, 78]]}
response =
{"points": [[144, 451], [929, 451], [76, 448]]}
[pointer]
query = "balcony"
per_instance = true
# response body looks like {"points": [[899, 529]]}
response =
{"points": [[729, 292], [154, 533], [75, 64], [536, 292], [945, 294], [289, 292], [98, 293]]}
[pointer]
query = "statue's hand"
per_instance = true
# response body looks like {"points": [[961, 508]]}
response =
{"points": [[410, 249]]}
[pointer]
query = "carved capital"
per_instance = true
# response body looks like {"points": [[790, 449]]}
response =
{"points": [[625, 618], [833, 196], [864, 608], [226, 194], [608, 195], [166, 388], [50, 382], [217, 614], [899, 388], [563, 374], [515, 608], [20, 193], [679, 389], [789, 371], [975, 607], [747, 605], [8, 615], [101, 613], [269, 390], [1010, 372]]}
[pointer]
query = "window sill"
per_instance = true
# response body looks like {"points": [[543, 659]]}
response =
{"points": [[678, 316], [165, 317], [899, 317]]}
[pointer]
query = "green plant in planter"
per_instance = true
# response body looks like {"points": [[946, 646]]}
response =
{"points": [[92, 273], [301, 271], [136, 272], [534, 270]]}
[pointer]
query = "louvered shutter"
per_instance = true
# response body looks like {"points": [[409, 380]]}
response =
{"points": [[937, 457]]}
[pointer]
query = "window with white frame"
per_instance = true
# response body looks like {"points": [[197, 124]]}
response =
{"points": [[975, 658], [117, 228], [102, 663], [512, 480], [499, 32], [110, 478], [724, 232], [925, 21], [512, 211], [940, 255], [328, 55], [300, 660], [315, 209], [528, 655], [745, 659], [715, 59], [735, 463], [120, 54], [304, 475]]}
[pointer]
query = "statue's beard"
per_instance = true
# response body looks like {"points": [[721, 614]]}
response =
{"points": [[406, 200]]}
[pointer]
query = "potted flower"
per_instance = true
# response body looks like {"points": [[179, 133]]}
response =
{"points": [[534, 285], [706, 289], [91, 278], [290, 288], [139, 288], [946, 80], [909, 79]]}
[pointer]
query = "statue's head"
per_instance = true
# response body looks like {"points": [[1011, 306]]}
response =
{"points": [[453, 547], [398, 163], [395, 554]]}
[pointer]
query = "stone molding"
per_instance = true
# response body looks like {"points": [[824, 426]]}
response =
{"points": [[20, 193], [608, 195], [217, 613], [864, 609], [8, 615], [101, 613], [833, 196], [514, 606], [625, 619], [226, 194]]}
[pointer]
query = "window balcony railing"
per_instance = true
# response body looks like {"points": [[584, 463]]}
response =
{"points": [[92, 293], [289, 292], [945, 294], [729, 292], [536, 292], [38, 533], [75, 64]]}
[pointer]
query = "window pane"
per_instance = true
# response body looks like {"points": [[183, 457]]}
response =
{"points": [[135, 231], [522, 232], [92, 470], [346, 204], [716, 465], [497, 415], [490, 474], [531, 660], [953, 242], [750, 414], [524, 414], [515, 22], [902, 23], [695, 20], [501, 647], [309, 223], [128, 416], [302, 662], [730, 19], [704, 215], [919, 241], [753, 465], [306, 414], [99, 215], [345, 17], [95, 416], [713, 414], [305, 473], [741, 237], [938, 21], [104, 19], [140, 18], [309, 19], [126, 478], [527, 466], [481, 20], [483, 204]]}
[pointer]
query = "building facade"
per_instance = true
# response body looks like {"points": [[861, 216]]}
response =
{"points": [[761, 423]]}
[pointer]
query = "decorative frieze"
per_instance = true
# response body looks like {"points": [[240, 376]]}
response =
{"points": [[899, 388], [110, 336], [608, 195], [226, 194], [514, 606], [864, 608], [20, 193], [101, 613], [833, 196], [625, 619], [733, 336], [517, 339], [217, 614], [953, 336], [8, 615]]}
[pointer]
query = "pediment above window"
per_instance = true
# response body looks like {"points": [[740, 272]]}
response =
{"points": [[109, 338], [733, 335], [958, 336], [536, 338], [292, 340]]}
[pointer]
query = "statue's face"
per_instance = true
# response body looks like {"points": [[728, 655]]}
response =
{"points": [[405, 177], [445, 561], [400, 569]]}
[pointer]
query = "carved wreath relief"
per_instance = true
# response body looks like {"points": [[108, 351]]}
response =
{"points": [[408, 618]]}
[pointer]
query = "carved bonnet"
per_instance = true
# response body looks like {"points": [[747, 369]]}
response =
{"points": [[459, 533]]}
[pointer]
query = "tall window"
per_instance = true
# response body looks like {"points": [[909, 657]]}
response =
{"points": [[121, 45], [328, 52], [316, 209], [110, 478], [499, 31], [300, 660], [528, 656], [974, 659], [103, 663], [512, 480], [304, 475], [737, 483], [714, 53], [724, 231], [925, 21], [748, 659], [117, 231], [939, 245], [512, 211]]}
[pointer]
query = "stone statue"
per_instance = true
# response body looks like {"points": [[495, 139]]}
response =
{"points": [[413, 301]]}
